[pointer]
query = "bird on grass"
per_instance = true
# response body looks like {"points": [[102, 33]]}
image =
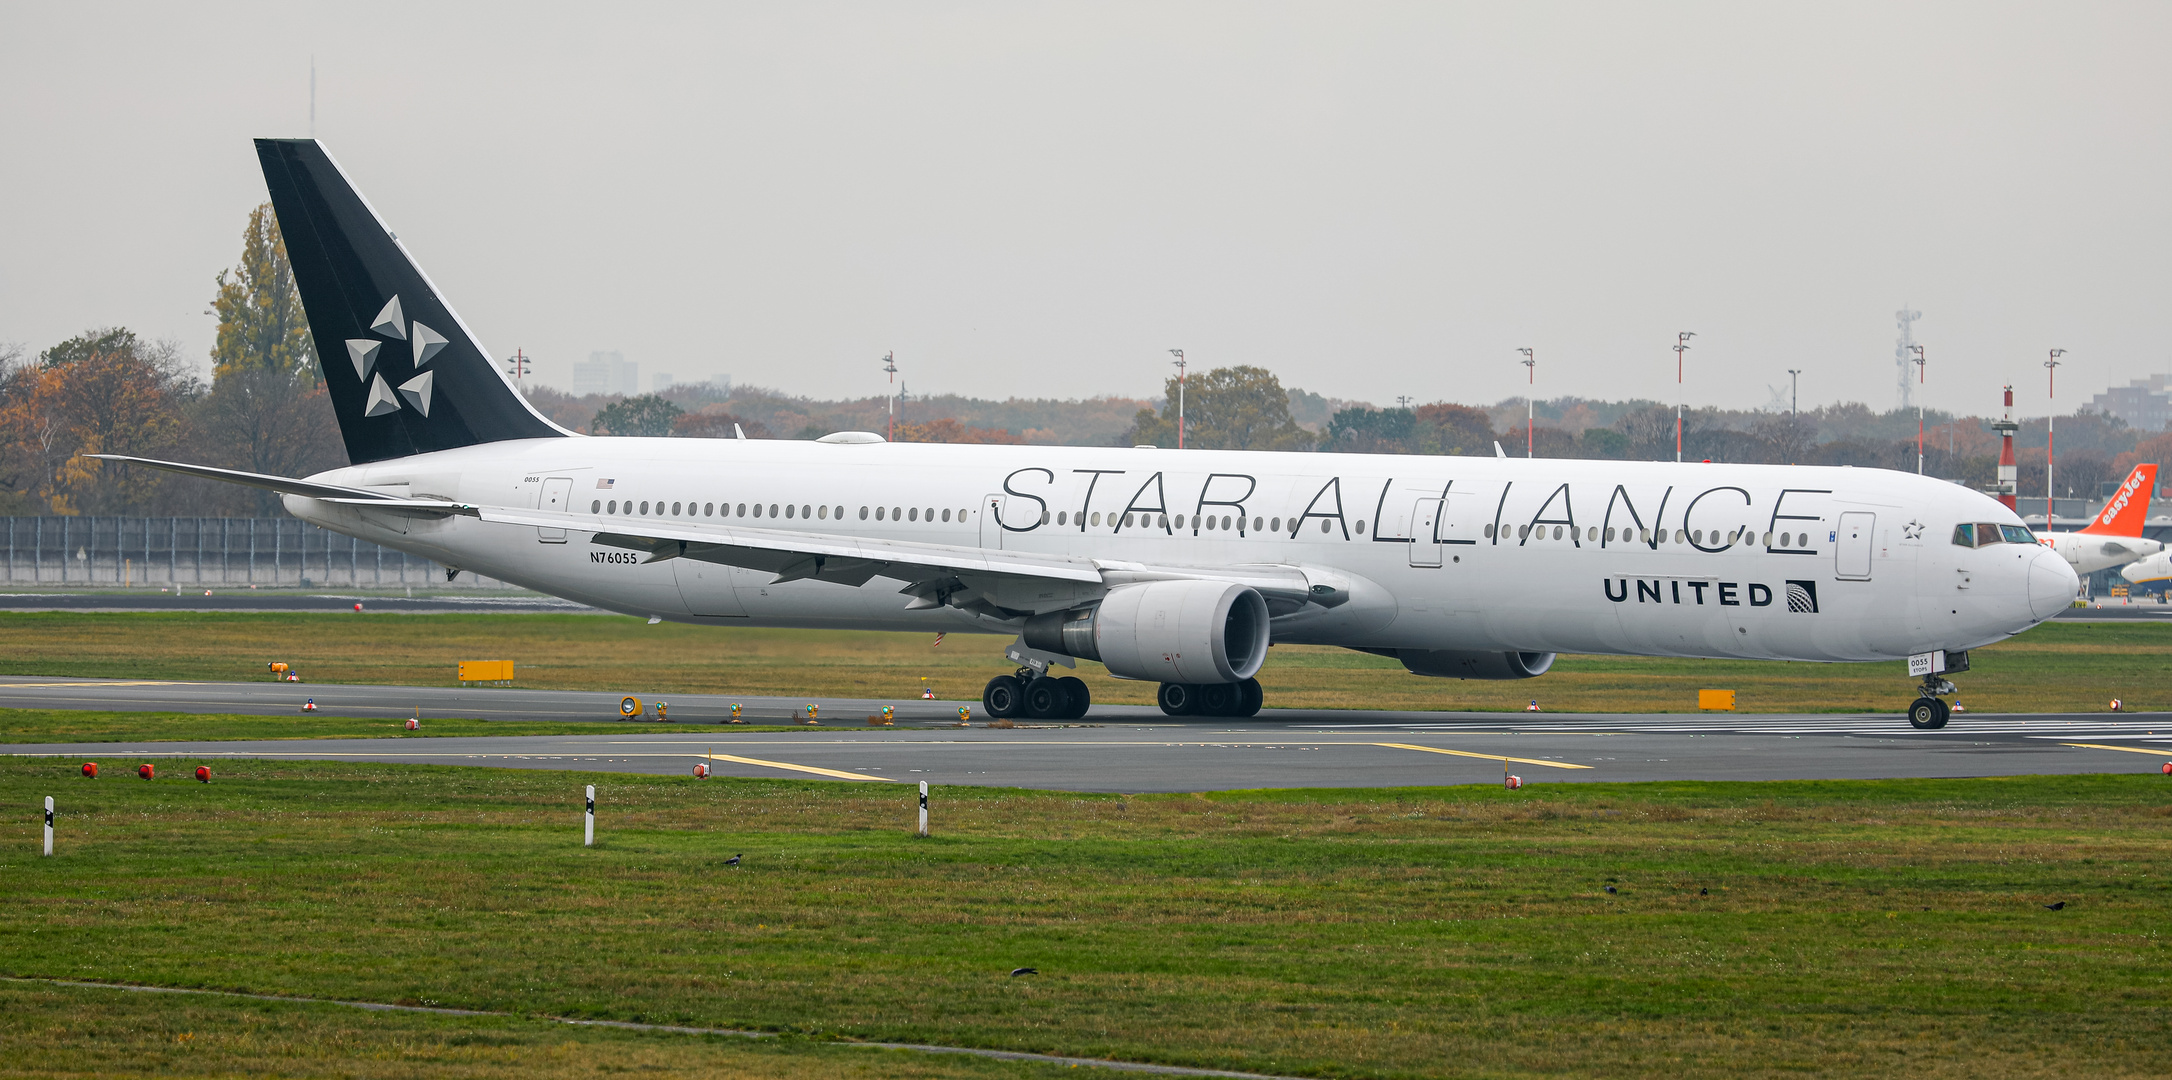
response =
{"points": [[1610, 890], [1704, 892], [1016, 972], [733, 861], [2060, 906]]}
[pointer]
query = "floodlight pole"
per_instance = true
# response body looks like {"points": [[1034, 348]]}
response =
{"points": [[2051, 392], [889, 364], [1179, 354], [1918, 350], [1681, 345], [1530, 370]]}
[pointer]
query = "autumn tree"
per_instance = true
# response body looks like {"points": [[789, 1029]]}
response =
{"points": [[101, 392], [1232, 408], [648, 414], [712, 423], [267, 411], [948, 430]]}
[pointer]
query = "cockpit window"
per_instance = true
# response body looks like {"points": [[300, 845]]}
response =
{"points": [[1986, 533]]}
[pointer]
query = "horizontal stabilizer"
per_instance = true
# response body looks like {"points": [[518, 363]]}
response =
{"points": [[285, 485]]}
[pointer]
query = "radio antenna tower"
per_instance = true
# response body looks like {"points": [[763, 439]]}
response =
{"points": [[1904, 353]]}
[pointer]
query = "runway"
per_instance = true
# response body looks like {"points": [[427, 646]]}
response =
{"points": [[1133, 749]]}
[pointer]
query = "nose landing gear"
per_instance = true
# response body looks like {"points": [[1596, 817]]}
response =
{"points": [[1930, 711]]}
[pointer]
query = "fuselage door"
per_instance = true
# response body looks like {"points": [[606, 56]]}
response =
{"points": [[555, 498], [991, 521], [1851, 551], [1425, 533]]}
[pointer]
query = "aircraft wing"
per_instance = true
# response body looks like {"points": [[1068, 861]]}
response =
{"points": [[935, 573]]}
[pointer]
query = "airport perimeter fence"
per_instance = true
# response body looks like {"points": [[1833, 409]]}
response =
{"points": [[212, 552]]}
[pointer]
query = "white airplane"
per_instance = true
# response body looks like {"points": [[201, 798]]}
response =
{"points": [[2115, 537], [1176, 567]]}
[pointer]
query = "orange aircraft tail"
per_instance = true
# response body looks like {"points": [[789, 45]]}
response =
{"points": [[2124, 515]]}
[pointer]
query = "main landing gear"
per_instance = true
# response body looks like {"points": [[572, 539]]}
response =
{"points": [[1210, 699], [1036, 696]]}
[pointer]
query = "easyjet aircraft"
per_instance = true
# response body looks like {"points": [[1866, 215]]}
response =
{"points": [[2115, 537], [1176, 567]]}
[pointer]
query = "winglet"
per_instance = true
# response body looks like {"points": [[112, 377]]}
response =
{"points": [[2128, 509], [1497, 451]]}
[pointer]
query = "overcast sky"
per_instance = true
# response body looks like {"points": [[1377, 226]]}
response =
{"points": [[1371, 200]]}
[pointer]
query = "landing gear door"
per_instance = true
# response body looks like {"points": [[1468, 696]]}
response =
{"points": [[1425, 533], [555, 498], [1851, 549]]}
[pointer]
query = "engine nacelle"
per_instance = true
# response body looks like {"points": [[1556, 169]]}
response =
{"points": [[1453, 664], [1164, 631]]}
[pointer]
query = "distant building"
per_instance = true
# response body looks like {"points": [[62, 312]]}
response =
{"points": [[2145, 404], [606, 373], [661, 381]]}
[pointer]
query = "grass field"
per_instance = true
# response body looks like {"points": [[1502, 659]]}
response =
{"points": [[1836, 928], [2061, 667], [72, 725]]}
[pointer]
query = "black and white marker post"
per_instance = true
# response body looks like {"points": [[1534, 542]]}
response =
{"points": [[923, 815], [49, 820], [588, 820]]}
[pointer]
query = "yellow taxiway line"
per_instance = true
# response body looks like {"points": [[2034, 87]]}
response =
{"points": [[2160, 751], [799, 768], [1488, 757]]}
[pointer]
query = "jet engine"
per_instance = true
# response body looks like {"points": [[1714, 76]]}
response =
{"points": [[1454, 664], [1164, 631]]}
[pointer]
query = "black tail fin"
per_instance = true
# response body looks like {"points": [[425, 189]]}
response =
{"points": [[404, 374]]}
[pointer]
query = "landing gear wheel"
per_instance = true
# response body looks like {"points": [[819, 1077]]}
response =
{"points": [[1928, 714], [1081, 698], [1218, 699], [1249, 698], [1177, 699], [1003, 697], [1046, 699]]}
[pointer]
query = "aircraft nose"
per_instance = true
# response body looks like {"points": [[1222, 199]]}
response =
{"points": [[2052, 584]]}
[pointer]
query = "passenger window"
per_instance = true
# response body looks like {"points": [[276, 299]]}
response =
{"points": [[772, 509], [880, 513], [614, 507], [2017, 534], [1096, 519], [708, 509], [946, 515], [674, 509], [863, 513], [806, 511], [1127, 521], [595, 506], [1258, 524], [840, 513], [791, 511], [915, 514]]}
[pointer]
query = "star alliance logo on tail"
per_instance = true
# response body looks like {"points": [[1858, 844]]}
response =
{"points": [[426, 344], [1802, 596]]}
